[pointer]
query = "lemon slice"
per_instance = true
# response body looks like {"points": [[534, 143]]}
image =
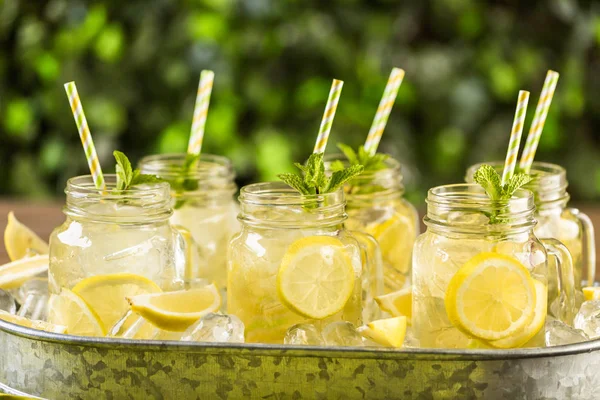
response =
{"points": [[106, 294], [491, 297], [176, 311], [70, 310], [29, 323], [14, 274], [388, 332], [539, 318], [20, 241], [395, 236], [316, 277], [591, 293], [397, 303]]}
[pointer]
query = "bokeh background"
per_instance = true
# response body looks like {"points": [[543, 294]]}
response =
{"points": [[137, 64]]}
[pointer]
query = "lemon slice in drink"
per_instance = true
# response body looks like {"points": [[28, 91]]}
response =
{"points": [[491, 297], [106, 294], [316, 277], [70, 310], [398, 303], [29, 323], [527, 333], [20, 241], [395, 237], [591, 293], [388, 332], [176, 311], [14, 274]]}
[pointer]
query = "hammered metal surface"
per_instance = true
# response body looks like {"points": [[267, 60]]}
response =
{"points": [[56, 367]]}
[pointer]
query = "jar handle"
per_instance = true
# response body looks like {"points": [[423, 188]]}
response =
{"points": [[588, 245], [563, 307], [184, 259]]}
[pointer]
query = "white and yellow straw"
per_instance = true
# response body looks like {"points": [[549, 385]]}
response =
{"points": [[85, 135], [515, 137], [200, 111], [328, 115], [539, 119], [384, 110]]}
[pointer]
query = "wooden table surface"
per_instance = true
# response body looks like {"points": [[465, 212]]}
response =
{"points": [[44, 217]]}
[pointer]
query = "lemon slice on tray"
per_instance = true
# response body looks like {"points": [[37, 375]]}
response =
{"points": [[29, 323], [20, 241], [397, 303], [316, 277], [176, 311], [106, 294], [14, 274], [491, 297], [388, 332], [70, 310]]}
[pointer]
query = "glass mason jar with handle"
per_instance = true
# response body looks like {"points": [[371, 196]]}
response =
{"points": [[204, 205], [555, 220], [113, 245], [375, 206], [292, 260], [463, 256]]}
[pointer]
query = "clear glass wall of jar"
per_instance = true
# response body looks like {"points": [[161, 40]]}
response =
{"points": [[375, 206], [555, 220], [114, 237], [458, 229], [275, 219], [204, 205]]}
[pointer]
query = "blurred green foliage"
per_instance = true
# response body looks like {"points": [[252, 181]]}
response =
{"points": [[137, 64]]}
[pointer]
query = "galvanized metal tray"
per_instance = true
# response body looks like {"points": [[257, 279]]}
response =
{"points": [[56, 366]]}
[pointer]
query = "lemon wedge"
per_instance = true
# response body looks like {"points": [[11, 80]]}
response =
{"points": [[316, 277], [70, 310], [491, 297], [398, 303], [388, 332], [176, 311], [20, 241], [591, 293], [29, 323], [14, 274], [106, 294], [525, 335]]}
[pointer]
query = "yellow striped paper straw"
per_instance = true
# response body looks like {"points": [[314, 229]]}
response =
{"points": [[515, 137], [328, 115], [384, 110], [200, 111], [539, 119], [85, 135]]}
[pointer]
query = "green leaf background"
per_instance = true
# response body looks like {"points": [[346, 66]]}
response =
{"points": [[137, 64]]}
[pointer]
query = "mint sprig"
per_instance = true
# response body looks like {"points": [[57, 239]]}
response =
{"points": [[491, 182], [362, 157], [312, 178], [127, 177]]}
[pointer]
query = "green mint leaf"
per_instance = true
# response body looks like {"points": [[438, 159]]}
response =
{"points": [[338, 178], [314, 172], [140, 179], [349, 153], [336, 165], [123, 170], [515, 183], [295, 182], [488, 178], [362, 157]]}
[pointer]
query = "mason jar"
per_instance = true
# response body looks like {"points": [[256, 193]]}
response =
{"points": [[280, 228], [555, 220], [203, 204], [458, 230], [375, 205], [114, 244]]}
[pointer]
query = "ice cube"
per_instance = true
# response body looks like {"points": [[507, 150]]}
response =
{"points": [[472, 218], [342, 333], [34, 296], [138, 249], [133, 326], [588, 318], [558, 333], [303, 334], [216, 327], [7, 302]]}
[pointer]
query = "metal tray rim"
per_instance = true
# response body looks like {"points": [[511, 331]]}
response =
{"points": [[301, 351]]}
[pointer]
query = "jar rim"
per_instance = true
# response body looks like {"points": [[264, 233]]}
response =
{"points": [[169, 165], [84, 185]]}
